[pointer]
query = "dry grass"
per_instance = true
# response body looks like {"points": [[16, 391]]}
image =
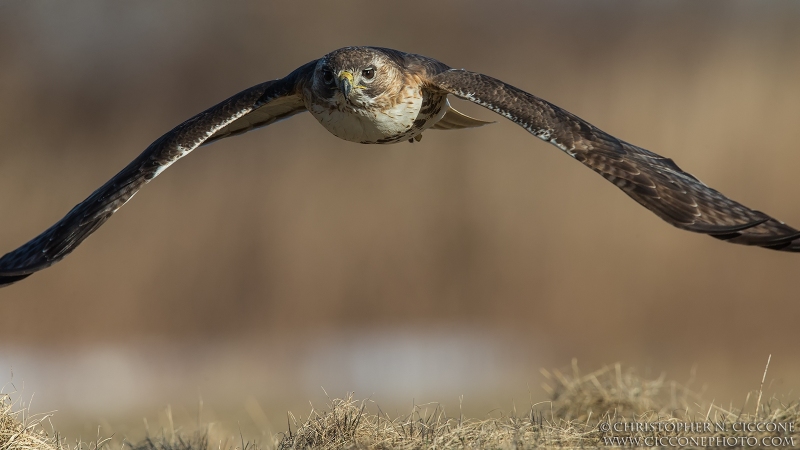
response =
{"points": [[21, 432], [194, 441], [579, 404]]}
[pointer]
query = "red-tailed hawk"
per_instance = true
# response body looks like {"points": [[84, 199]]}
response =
{"points": [[381, 96]]}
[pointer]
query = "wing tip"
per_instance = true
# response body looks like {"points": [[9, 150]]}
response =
{"points": [[769, 234], [8, 280]]}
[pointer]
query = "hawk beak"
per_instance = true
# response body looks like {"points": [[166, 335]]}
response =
{"points": [[346, 83]]}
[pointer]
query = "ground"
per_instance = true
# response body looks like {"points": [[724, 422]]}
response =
{"points": [[581, 407]]}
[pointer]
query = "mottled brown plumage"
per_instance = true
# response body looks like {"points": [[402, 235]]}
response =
{"points": [[375, 95]]}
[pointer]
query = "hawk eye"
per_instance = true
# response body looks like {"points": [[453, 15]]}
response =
{"points": [[368, 73], [327, 76]]}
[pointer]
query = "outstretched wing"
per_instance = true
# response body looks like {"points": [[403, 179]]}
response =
{"points": [[256, 107], [654, 181]]}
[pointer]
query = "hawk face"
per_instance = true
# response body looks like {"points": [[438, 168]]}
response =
{"points": [[367, 95], [356, 78]]}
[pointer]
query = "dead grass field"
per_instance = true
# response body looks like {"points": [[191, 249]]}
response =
{"points": [[285, 258], [290, 230], [579, 404]]}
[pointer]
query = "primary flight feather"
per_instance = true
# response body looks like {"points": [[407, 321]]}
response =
{"points": [[382, 96]]}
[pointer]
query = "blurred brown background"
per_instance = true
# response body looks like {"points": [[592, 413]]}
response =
{"points": [[265, 266]]}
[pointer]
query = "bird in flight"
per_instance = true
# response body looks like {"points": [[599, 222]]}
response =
{"points": [[376, 95]]}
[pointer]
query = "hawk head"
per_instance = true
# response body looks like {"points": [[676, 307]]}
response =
{"points": [[358, 77]]}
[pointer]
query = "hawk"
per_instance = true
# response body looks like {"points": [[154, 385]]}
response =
{"points": [[376, 95]]}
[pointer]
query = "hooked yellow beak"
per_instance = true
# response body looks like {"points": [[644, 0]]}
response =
{"points": [[346, 82]]}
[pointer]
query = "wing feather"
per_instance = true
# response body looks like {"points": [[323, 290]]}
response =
{"points": [[252, 108], [655, 182], [455, 120]]}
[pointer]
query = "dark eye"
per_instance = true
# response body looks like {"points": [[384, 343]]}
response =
{"points": [[369, 73], [327, 76]]}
